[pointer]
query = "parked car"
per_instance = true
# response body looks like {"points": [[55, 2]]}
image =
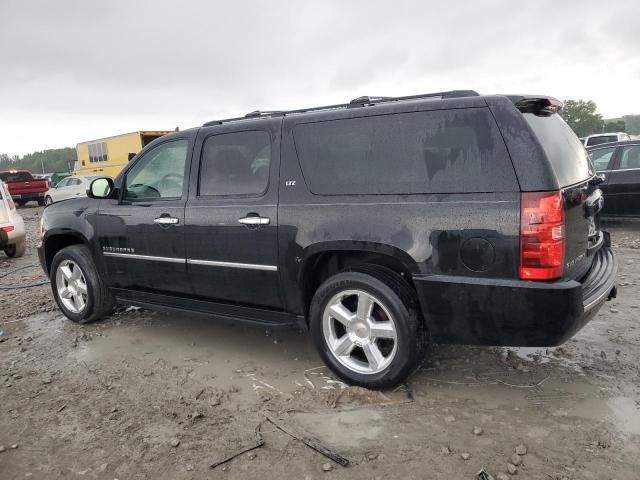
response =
{"points": [[69, 187], [600, 138], [619, 166], [23, 187], [12, 232], [379, 225]]}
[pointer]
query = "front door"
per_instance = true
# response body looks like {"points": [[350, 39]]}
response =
{"points": [[141, 233], [232, 215]]}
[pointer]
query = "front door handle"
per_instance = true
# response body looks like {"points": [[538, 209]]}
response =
{"points": [[254, 219], [166, 220]]}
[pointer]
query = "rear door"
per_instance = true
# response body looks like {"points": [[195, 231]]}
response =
{"points": [[624, 183], [582, 197], [232, 214]]}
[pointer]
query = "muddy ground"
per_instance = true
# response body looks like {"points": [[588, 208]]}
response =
{"points": [[147, 395]]}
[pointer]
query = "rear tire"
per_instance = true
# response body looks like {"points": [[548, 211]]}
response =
{"points": [[16, 250], [378, 349], [21, 203], [78, 287]]}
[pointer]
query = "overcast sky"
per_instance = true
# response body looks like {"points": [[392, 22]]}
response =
{"points": [[78, 70]]}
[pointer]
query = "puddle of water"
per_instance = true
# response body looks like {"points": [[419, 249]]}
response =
{"points": [[344, 429]]}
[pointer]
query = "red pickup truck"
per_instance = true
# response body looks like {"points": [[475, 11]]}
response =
{"points": [[23, 187]]}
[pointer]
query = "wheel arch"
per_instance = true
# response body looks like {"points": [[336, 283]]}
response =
{"points": [[55, 242], [321, 261]]}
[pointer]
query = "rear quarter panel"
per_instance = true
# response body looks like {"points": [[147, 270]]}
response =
{"points": [[428, 233]]}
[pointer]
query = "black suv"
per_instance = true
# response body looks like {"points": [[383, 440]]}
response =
{"points": [[379, 225]]}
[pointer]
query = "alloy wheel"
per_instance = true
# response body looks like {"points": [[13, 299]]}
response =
{"points": [[71, 286], [360, 331]]}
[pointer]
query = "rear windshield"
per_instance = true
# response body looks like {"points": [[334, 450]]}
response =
{"points": [[564, 150], [602, 139], [16, 176], [444, 151]]}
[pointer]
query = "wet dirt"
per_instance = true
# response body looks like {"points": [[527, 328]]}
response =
{"points": [[111, 399]]}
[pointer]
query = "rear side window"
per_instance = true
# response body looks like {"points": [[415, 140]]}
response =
{"points": [[444, 151], [567, 155], [630, 157], [235, 164]]}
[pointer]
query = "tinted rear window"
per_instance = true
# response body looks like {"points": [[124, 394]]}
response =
{"points": [[600, 140], [444, 151], [16, 177], [567, 155]]}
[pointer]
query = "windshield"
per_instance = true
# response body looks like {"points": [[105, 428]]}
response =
{"points": [[566, 153]]}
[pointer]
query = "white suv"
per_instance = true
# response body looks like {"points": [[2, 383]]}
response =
{"points": [[601, 138], [12, 233]]}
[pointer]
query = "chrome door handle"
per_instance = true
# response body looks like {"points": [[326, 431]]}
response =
{"points": [[254, 220], [166, 220]]}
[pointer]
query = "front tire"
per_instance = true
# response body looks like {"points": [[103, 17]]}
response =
{"points": [[16, 250], [367, 327], [48, 200], [77, 286]]}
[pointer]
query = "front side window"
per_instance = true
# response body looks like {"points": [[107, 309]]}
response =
{"points": [[630, 157], [601, 158], [158, 174], [64, 182], [235, 164]]}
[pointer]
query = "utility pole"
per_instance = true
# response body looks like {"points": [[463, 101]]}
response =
{"points": [[42, 162]]}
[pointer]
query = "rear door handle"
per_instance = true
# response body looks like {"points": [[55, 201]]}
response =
{"points": [[166, 220], [254, 220]]}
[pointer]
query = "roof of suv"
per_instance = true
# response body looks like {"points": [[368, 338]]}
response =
{"points": [[355, 103]]}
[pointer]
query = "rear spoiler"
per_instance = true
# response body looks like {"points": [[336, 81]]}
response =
{"points": [[538, 105]]}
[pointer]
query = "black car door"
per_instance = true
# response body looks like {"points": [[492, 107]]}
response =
{"points": [[141, 232], [603, 160], [623, 185], [232, 214]]}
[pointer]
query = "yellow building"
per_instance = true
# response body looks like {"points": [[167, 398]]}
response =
{"points": [[107, 156]]}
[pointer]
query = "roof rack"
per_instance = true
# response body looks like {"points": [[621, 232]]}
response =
{"points": [[356, 102]]}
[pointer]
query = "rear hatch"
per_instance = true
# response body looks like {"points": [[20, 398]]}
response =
{"points": [[581, 196]]}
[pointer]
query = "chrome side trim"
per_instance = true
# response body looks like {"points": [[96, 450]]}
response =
{"points": [[144, 257], [248, 266]]}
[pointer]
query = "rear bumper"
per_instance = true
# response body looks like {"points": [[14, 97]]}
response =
{"points": [[481, 311], [28, 196]]}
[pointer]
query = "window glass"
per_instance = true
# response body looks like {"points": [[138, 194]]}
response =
{"points": [[445, 151], [98, 152], [630, 157], [599, 140], [16, 177], [235, 164], [64, 182], [567, 155], [601, 158], [159, 173]]}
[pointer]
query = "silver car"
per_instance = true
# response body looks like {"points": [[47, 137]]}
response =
{"points": [[69, 187], [12, 233]]}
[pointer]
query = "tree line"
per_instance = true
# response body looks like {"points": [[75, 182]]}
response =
{"points": [[53, 160]]}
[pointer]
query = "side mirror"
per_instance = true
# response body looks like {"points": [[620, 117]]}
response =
{"points": [[100, 188]]}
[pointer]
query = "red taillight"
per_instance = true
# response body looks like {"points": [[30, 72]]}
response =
{"points": [[8, 229], [541, 235]]}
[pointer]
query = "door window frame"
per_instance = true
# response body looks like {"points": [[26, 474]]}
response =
{"points": [[235, 195], [612, 161], [620, 155], [121, 179]]}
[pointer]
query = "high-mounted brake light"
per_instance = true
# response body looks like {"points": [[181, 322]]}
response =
{"points": [[541, 106], [542, 236]]}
